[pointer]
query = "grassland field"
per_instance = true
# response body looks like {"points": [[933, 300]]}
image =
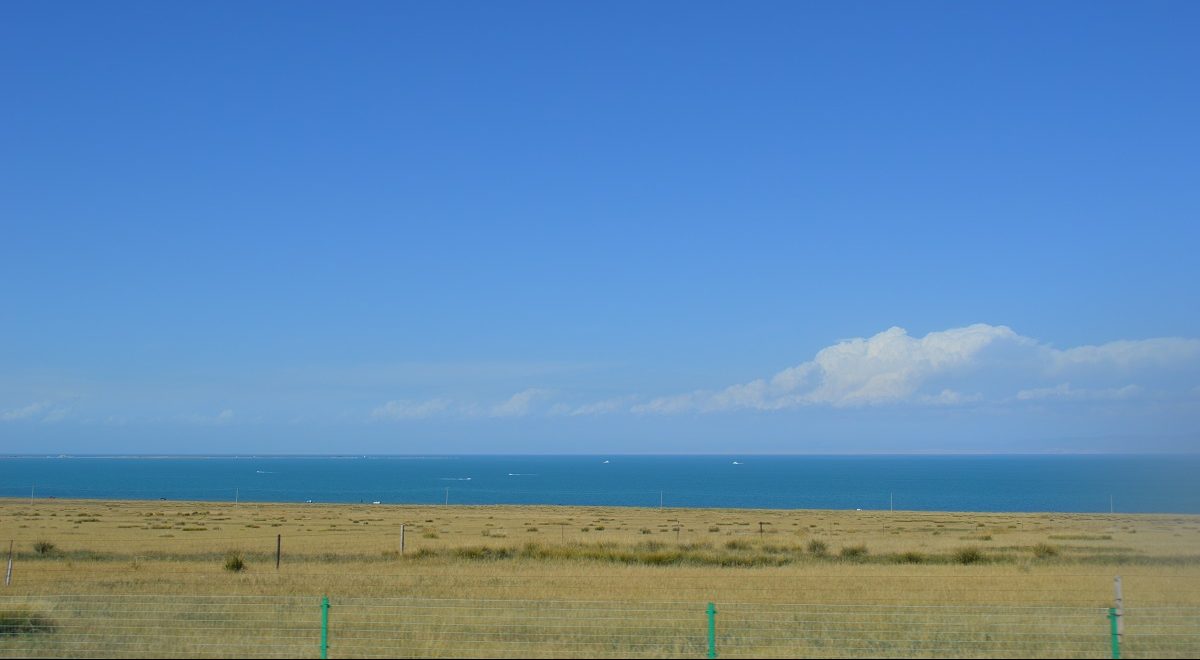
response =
{"points": [[630, 555]]}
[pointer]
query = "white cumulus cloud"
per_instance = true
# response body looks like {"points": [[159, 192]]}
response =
{"points": [[1126, 355], [520, 404], [41, 411], [605, 407], [27, 412], [952, 367]]}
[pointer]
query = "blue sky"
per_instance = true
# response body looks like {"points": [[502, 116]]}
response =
{"points": [[607, 227]]}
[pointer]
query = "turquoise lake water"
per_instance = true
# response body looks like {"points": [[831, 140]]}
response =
{"points": [[1130, 484]]}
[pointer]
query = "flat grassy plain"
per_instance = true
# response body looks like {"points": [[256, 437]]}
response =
{"points": [[755, 564]]}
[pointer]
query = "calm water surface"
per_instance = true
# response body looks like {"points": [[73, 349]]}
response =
{"points": [[1133, 484]]}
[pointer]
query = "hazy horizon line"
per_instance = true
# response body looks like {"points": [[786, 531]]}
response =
{"points": [[934, 453]]}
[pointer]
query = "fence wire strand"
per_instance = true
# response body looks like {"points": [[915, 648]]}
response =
{"points": [[267, 627]]}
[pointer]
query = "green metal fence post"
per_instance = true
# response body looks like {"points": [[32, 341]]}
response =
{"points": [[1116, 639], [712, 630], [324, 627]]}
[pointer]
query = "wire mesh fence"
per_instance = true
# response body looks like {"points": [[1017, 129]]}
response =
{"points": [[274, 626], [1161, 632], [158, 626]]}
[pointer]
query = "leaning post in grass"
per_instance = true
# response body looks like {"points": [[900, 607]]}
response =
{"points": [[8, 572], [712, 630], [401, 538], [278, 549], [324, 627]]}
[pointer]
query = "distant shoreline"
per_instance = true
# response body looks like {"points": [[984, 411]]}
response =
{"points": [[434, 457], [6, 500]]}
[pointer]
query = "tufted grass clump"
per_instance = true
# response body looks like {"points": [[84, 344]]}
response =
{"points": [[854, 552], [44, 548], [968, 555], [1044, 551], [234, 562]]}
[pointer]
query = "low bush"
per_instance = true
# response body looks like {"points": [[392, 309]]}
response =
{"points": [[854, 552], [968, 555]]}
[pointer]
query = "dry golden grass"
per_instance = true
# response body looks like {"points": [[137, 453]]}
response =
{"points": [[619, 556], [159, 546]]}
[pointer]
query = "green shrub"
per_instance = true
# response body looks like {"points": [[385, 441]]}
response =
{"points": [[854, 552], [968, 555], [234, 562], [817, 548], [43, 547], [484, 552], [911, 557]]}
